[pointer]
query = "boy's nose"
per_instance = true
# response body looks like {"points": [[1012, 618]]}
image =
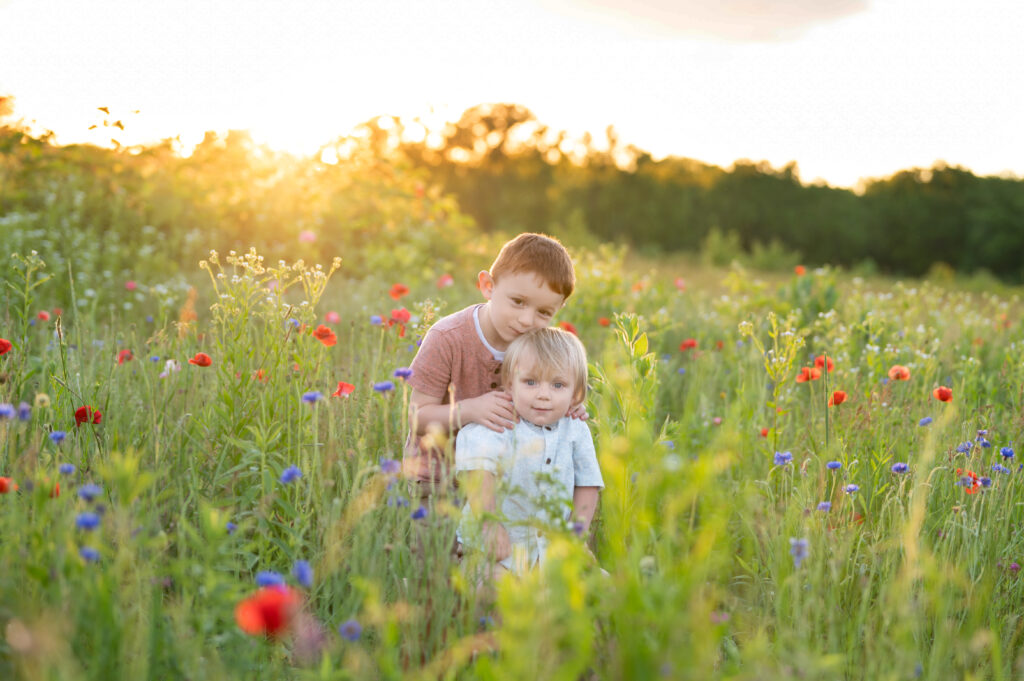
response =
{"points": [[526, 318]]}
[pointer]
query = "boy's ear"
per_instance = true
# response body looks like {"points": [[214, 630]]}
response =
{"points": [[485, 282]]}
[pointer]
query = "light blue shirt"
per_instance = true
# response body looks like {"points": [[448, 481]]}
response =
{"points": [[536, 469]]}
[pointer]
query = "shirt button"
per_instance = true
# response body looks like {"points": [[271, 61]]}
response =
{"points": [[494, 385], [498, 370], [548, 461]]}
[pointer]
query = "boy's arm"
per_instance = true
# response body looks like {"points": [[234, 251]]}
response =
{"points": [[584, 503], [492, 410], [479, 486]]}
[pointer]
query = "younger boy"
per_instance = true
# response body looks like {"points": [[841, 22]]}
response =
{"points": [[456, 372], [530, 476]]}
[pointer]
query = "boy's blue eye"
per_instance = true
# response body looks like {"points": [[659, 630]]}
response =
{"points": [[530, 381]]}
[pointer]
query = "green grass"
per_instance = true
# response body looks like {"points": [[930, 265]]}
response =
{"points": [[908, 576]]}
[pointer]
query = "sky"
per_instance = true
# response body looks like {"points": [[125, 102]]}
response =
{"points": [[847, 89]]}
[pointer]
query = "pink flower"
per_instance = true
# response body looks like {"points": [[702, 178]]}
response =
{"points": [[332, 317], [130, 285], [307, 236]]}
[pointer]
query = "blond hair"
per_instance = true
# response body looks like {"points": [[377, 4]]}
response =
{"points": [[537, 254], [554, 350]]}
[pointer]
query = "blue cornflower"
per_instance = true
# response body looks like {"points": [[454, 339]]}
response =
{"points": [[964, 447], [1007, 452], [350, 630], [982, 442], [303, 573], [900, 467], [825, 506], [66, 468], [291, 474], [89, 554], [668, 444], [294, 322], [577, 528], [925, 421], [833, 465], [998, 468], [985, 481], [24, 412], [404, 373], [154, 358], [383, 386], [376, 320], [798, 549], [149, 318], [87, 521], [400, 502], [312, 397], [6, 411], [782, 458], [681, 370], [90, 491], [57, 436], [390, 466], [982, 433], [851, 488], [420, 513], [230, 527], [269, 578]]}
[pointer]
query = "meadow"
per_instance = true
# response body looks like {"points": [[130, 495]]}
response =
{"points": [[170, 458]]}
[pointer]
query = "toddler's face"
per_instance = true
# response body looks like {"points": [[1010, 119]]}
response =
{"points": [[541, 396]]}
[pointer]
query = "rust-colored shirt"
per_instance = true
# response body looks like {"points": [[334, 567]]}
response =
{"points": [[454, 362]]}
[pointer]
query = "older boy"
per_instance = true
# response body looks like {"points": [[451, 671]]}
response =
{"points": [[456, 372]]}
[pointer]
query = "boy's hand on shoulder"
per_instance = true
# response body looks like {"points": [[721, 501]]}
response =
{"points": [[578, 412], [492, 410]]}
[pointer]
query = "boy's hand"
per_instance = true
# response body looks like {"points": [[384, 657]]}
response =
{"points": [[496, 541], [493, 410], [578, 412]]}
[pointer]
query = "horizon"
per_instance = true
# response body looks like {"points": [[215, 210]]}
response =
{"points": [[848, 90]]}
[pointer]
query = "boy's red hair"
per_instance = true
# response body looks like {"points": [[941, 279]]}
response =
{"points": [[542, 255]]}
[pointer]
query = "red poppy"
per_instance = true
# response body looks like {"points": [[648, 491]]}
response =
{"points": [[568, 326], [808, 374], [43, 315], [57, 311], [398, 290], [124, 356], [719, 345], [401, 317], [201, 360], [687, 344], [819, 362], [899, 373], [800, 270], [87, 414], [5, 346], [344, 389], [8, 485], [838, 397], [324, 334], [639, 286], [764, 432], [269, 611], [261, 376], [943, 394], [680, 283], [975, 484], [604, 321], [445, 280]]}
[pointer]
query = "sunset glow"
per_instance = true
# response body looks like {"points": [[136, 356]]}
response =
{"points": [[862, 89]]}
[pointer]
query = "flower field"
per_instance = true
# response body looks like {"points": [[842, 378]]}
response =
{"points": [[815, 478]]}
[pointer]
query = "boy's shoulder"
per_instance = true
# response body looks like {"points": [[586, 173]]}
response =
{"points": [[456, 322]]}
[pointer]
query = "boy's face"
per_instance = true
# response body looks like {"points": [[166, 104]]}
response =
{"points": [[517, 303], [541, 395]]}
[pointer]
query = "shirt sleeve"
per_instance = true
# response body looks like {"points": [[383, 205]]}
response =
{"points": [[432, 365], [477, 448], [584, 457]]}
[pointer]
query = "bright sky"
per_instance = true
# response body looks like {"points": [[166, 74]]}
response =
{"points": [[846, 88]]}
